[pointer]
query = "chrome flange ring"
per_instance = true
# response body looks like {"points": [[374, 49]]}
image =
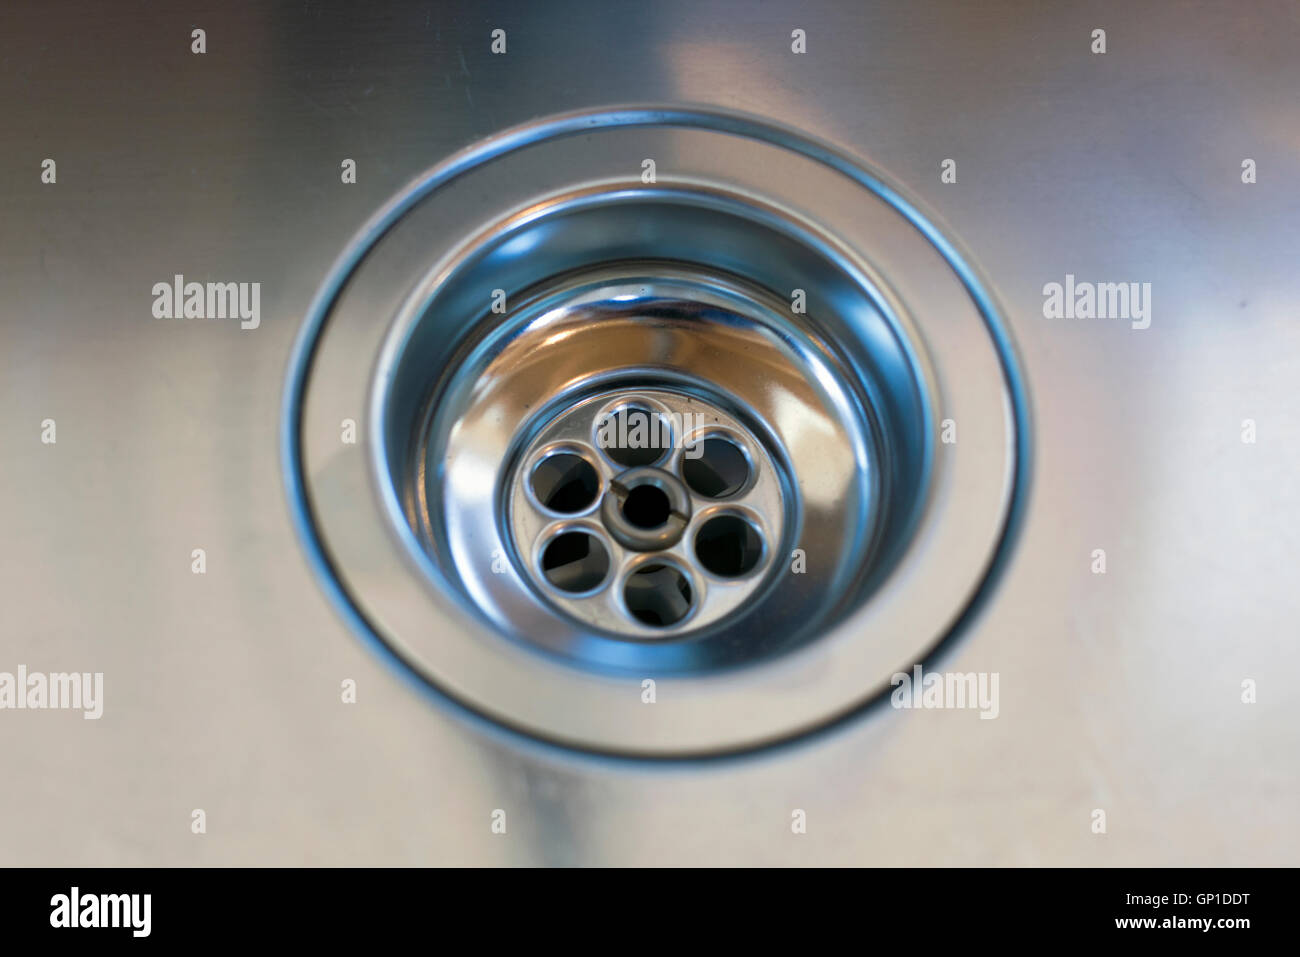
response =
{"points": [[835, 337]]}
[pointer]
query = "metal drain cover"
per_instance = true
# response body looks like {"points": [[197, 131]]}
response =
{"points": [[677, 501], [829, 450]]}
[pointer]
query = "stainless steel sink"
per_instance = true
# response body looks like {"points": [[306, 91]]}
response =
{"points": [[341, 528]]}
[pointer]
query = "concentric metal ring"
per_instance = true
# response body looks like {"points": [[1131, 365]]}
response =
{"points": [[930, 551]]}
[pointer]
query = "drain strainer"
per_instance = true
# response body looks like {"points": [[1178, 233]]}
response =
{"points": [[749, 431], [645, 513]]}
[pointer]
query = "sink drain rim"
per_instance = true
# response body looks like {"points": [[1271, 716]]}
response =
{"points": [[567, 125]]}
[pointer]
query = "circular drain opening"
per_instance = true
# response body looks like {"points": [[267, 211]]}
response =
{"points": [[729, 546], [715, 467], [575, 561], [634, 436], [565, 483], [646, 507], [658, 595], [675, 297]]}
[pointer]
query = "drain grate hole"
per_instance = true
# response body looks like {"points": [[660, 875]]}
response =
{"points": [[647, 506], [633, 437], [728, 546], [565, 482], [715, 468], [658, 595], [575, 561]]}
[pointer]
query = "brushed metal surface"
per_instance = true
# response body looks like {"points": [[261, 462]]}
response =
{"points": [[1119, 691]]}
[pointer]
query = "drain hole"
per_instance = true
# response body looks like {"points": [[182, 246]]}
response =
{"points": [[715, 468], [658, 595], [646, 506], [575, 562], [565, 482], [633, 437], [728, 546]]}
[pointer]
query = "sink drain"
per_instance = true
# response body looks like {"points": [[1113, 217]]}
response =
{"points": [[659, 474], [685, 431]]}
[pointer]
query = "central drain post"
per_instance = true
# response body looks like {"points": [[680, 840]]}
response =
{"points": [[646, 509]]}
